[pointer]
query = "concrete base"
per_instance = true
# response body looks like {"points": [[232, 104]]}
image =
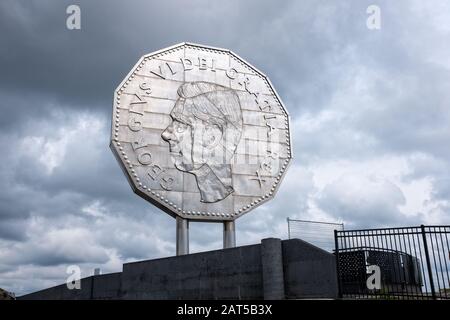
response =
{"points": [[275, 269]]}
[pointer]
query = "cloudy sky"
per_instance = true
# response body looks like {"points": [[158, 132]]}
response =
{"points": [[369, 109]]}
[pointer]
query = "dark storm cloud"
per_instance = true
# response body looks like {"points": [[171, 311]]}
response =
{"points": [[41, 55], [13, 229], [79, 69]]}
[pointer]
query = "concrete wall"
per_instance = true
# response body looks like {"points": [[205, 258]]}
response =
{"points": [[309, 272], [62, 293], [104, 287], [275, 269], [233, 273], [107, 286]]}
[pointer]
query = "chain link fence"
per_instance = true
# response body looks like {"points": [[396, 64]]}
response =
{"points": [[318, 233]]}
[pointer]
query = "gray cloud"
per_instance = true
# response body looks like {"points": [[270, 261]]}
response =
{"points": [[363, 201]]}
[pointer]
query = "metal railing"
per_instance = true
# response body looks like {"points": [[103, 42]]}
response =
{"points": [[318, 233], [412, 262]]}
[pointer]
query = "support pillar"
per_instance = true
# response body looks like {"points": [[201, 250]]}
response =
{"points": [[182, 236], [229, 234], [272, 269]]}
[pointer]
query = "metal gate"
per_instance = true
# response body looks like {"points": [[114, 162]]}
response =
{"points": [[394, 263]]}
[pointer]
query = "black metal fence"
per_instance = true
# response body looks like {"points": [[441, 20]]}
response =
{"points": [[394, 263]]}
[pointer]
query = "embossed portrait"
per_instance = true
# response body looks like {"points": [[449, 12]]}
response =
{"points": [[203, 136]]}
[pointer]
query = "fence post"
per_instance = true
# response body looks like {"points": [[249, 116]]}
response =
{"points": [[336, 253], [427, 256]]}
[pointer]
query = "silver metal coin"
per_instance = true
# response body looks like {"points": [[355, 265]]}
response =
{"points": [[200, 133]]}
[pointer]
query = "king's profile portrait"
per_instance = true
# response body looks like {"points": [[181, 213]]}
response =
{"points": [[205, 130]]}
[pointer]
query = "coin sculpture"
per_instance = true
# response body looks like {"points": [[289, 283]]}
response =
{"points": [[201, 134]]}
